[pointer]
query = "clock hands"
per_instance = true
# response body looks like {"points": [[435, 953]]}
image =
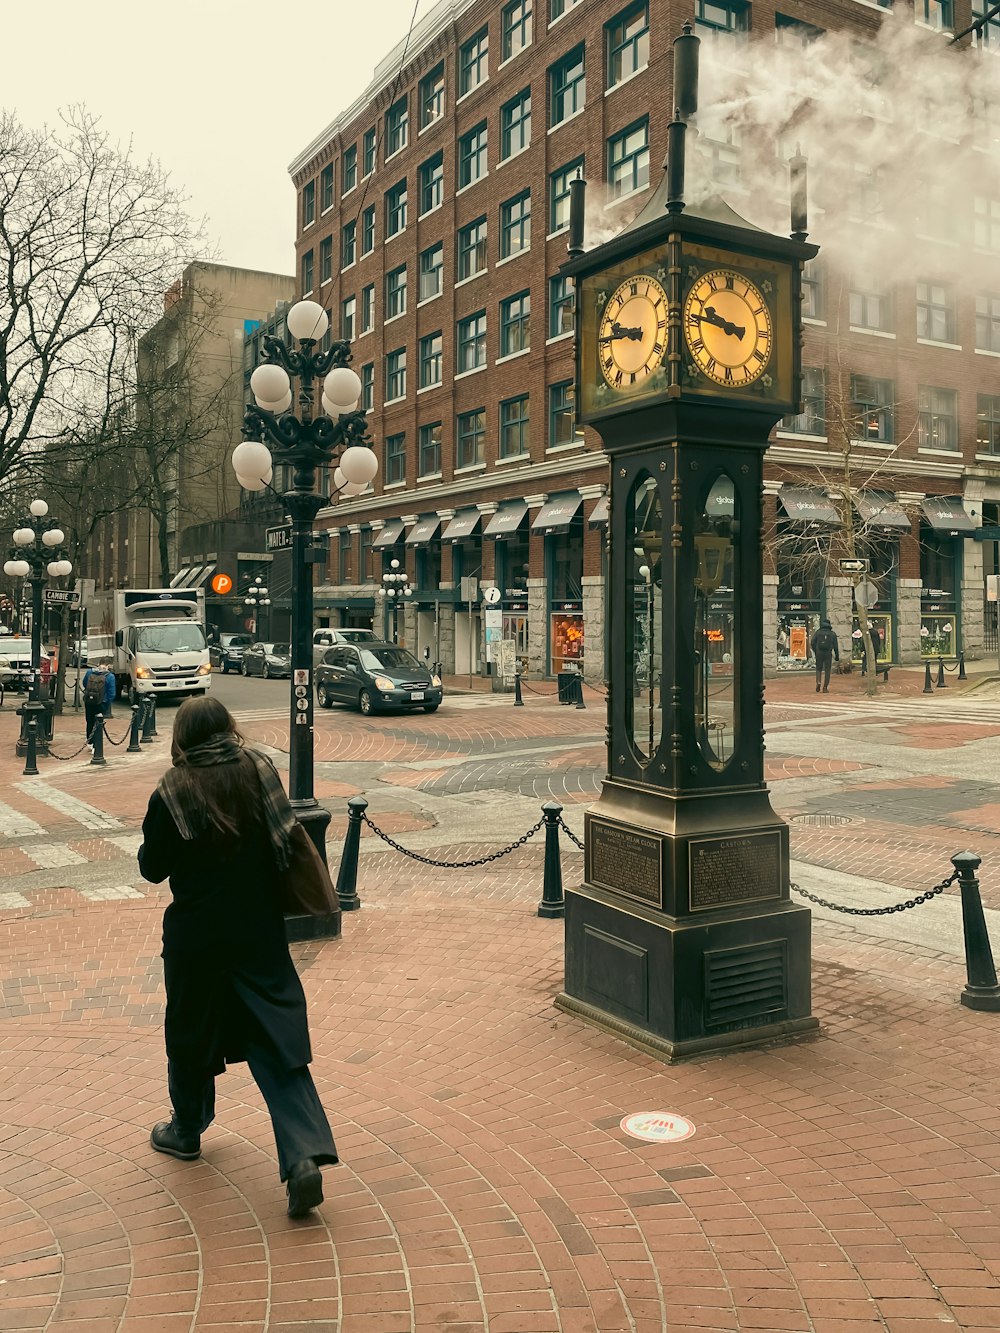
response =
{"points": [[712, 316], [635, 334]]}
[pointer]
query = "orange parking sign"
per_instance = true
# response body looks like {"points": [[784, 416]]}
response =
{"points": [[222, 584]]}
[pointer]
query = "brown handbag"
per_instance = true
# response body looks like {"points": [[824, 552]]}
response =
{"points": [[305, 887]]}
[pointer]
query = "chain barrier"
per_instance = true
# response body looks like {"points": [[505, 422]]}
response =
{"points": [[121, 739], [454, 865], [52, 754], [570, 834], [877, 911]]}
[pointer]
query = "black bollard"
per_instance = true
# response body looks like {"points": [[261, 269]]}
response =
{"points": [[97, 740], [579, 693], [928, 687], [553, 903], [961, 667], [981, 990], [148, 720], [31, 748], [133, 736], [941, 682], [347, 875], [518, 701]]}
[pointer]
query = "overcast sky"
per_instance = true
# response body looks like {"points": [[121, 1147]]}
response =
{"points": [[224, 92]]}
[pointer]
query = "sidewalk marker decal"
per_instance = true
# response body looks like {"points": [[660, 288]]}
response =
{"points": [[658, 1126]]}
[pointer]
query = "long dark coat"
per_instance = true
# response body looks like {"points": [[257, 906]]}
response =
{"points": [[230, 980]]}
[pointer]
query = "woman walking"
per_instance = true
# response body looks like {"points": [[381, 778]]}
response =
{"points": [[218, 827]]}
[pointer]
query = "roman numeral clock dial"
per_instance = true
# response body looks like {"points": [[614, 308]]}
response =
{"points": [[632, 336], [727, 328]]}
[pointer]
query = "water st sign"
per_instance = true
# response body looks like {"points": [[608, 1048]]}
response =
{"points": [[278, 539]]}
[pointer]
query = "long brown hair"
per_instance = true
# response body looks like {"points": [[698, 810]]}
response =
{"points": [[223, 799]]}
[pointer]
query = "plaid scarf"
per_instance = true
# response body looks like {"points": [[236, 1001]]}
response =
{"points": [[180, 793]]}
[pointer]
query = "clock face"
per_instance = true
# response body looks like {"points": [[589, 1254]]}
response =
{"points": [[727, 328], [632, 334]]}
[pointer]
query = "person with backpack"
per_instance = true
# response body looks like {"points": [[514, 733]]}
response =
{"points": [[98, 692], [825, 648]]}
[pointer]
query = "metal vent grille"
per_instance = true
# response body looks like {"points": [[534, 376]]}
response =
{"points": [[744, 986], [824, 821]]}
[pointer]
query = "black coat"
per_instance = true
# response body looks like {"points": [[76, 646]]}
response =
{"points": [[230, 980]]}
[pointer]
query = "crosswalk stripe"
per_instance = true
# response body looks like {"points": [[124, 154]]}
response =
{"points": [[65, 804], [12, 900], [15, 825], [50, 856]]}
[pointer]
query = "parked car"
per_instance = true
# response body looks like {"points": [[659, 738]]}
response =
{"points": [[329, 638], [269, 660], [15, 661], [91, 648], [228, 652], [374, 676]]}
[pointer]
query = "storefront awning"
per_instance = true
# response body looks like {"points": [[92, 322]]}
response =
{"points": [[945, 514], [389, 535], [805, 504], [600, 513], [200, 577], [558, 513], [882, 510], [462, 525], [423, 530], [507, 519], [190, 576]]}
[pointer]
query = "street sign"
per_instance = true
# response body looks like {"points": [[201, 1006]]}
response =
{"points": [[61, 596], [470, 588], [853, 566], [221, 584], [278, 539], [866, 595]]}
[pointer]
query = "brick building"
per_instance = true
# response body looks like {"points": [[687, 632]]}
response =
{"points": [[432, 224]]}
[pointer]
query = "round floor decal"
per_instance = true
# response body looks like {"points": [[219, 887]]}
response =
{"points": [[658, 1126]]}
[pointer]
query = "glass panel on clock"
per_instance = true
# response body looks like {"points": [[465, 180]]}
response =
{"points": [[645, 619], [716, 599]]}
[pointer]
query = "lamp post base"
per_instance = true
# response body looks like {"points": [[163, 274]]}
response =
{"points": [[315, 819], [41, 710]]}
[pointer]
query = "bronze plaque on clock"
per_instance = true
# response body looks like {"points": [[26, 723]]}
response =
{"points": [[625, 861], [737, 868]]}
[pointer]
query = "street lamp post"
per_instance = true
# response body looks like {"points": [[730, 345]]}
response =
{"points": [[309, 437], [37, 551], [394, 590], [256, 598]]}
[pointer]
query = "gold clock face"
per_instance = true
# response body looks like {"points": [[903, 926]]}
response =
{"points": [[727, 328], [632, 335]]}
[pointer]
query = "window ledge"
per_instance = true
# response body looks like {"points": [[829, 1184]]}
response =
{"points": [[566, 12], [931, 342], [940, 453], [392, 235], [470, 467], [307, 225], [347, 192], [819, 323], [511, 156], [323, 282], [511, 356], [464, 374], [388, 158], [472, 184], [987, 458], [391, 402], [421, 216], [365, 332], [429, 476], [428, 299], [981, 351], [562, 448], [471, 278], [394, 485], [392, 318], [873, 444], [516, 255], [627, 79], [323, 211], [466, 96], [305, 294], [799, 435], [559, 231], [428, 387], [430, 125], [510, 59], [870, 333], [347, 267], [566, 120], [559, 338], [513, 458], [367, 176], [623, 198], [366, 253]]}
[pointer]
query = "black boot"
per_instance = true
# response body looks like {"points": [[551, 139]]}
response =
{"points": [[305, 1188], [166, 1137]]}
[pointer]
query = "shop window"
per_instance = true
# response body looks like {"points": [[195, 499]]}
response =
{"points": [[515, 28], [937, 418], [873, 409], [936, 312], [801, 572], [566, 631], [939, 555], [627, 37]]}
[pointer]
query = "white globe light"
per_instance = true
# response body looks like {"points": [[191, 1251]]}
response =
{"points": [[393, 564], [270, 383], [55, 568], [54, 537], [252, 459], [20, 568], [8, 567], [379, 592], [408, 592], [307, 319], [67, 567], [342, 386], [266, 601], [39, 508], [252, 483], [358, 464], [282, 405], [24, 536]]}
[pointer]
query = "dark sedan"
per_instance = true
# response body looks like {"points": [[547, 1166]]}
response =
{"points": [[376, 676], [269, 660], [228, 652]]}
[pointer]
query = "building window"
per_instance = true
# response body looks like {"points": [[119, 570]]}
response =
{"points": [[812, 290], [431, 271], [515, 124], [472, 162], [560, 7], [515, 225], [720, 16], [515, 28], [395, 292], [368, 308], [473, 62], [567, 86], [988, 424], [395, 209], [936, 14], [870, 304], [326, 187], [369, 151], [559, 194], [397, 122], [514, 427], [628, 159], [628, 43], [990, 32], [308, 203], [937, 418], [988, 323], [395, 375], [562, 306], [349, 168], [864, 198], [395, 459], [307, 273], [812, 419], [935, 312], [471, 342], [986, 223], [432, 183], [368, 386], [429, 450], [345, 554], [471, 438], [562, 415], [431, 96], [368, 230], [431, 360], [348, 248], [872, 402], [472, 249], [795, 32], [515, 324], [326, 259], [348, 309]]}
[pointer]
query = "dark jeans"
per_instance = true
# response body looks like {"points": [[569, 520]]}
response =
{"points": [[301, 1128], [90, 711], [824, 664]]}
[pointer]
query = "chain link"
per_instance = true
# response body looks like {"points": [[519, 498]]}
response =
{"points": [[877, 911], [52, 754], [121, 739], [454, 865], [570, 834]]}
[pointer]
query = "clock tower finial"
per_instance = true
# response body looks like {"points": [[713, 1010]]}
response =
{"points": [[685, 105]]}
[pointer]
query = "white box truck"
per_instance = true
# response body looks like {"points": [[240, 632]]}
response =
{"points": [[159, 639]]}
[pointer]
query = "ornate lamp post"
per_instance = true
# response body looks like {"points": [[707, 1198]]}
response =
{"points": [[302, 439], [395, 588], [255, 598], [37, 552]]}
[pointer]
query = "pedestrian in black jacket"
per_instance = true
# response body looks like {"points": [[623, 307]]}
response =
{"points": [[218, 826], [825, 648]]}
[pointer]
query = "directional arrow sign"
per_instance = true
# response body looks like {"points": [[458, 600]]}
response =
{"points": [[853, 566]]}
